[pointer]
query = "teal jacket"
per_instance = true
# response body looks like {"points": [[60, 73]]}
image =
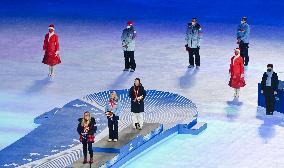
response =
{"points": [[128, 39]]}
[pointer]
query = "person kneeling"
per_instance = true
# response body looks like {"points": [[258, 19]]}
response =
{"points": [[86, 129]]}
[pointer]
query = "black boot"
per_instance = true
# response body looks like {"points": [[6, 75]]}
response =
{"points": [[139, 127], [85, 160], [91, 160], [136, 125]]}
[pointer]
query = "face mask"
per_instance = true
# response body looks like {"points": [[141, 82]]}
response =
{"points": [[242, 22], [128, 27], [269, 70]]}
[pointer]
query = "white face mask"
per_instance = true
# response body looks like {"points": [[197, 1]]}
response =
{"points": [[242, 22], [128, 27]]}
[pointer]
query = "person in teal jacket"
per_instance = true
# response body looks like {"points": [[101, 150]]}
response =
{"points": [[128, 45], [193, 39], [243, 32]]}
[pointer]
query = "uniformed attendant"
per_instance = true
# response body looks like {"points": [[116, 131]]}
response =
{"points": [[269, 87]]}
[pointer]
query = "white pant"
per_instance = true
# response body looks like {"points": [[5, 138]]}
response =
{"points": [[137, 118]]}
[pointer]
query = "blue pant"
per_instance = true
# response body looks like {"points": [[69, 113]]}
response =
{"points": [[113, 127]]}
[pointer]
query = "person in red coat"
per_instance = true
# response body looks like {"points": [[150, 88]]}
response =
{"points": [[237, 73], [51, 50]]}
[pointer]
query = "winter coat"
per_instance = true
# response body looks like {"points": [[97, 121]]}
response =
{"points": [[243, 32], [90, 134], [137, 107], [113, 106], [274, 81], [51, 46], [193, 36], [128, 39], [236, 70]]}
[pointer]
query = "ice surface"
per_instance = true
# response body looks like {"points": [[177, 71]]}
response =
{"points": [[92, 61]]}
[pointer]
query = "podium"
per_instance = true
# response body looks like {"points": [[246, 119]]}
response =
{"points": [[279, 98], [107, 154], [133, 142]]}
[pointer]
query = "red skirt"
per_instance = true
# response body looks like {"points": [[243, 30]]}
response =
{"points": [[237, 82], [51, 59]]}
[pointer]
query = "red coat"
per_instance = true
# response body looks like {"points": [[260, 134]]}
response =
{"points": [[236, 70], [51, 46]]}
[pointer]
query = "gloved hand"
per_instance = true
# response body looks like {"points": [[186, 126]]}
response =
{"points": [[238, 41], [125, 46], [186, 47], [56, 53]]}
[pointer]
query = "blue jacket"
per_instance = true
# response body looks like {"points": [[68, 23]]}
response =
{"points": [[193, 35], [128, 39], [115, 109], [243, 32]]}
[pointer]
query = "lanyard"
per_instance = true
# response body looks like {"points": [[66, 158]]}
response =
{"points": [[112, 103], [136, 91]]}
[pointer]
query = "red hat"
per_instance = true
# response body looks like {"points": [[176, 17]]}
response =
{"points": [[129, 23], [51, 26]]}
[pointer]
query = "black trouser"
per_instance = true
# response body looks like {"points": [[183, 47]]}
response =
{"points": [[244, 52], [129, 60], [113, 127], [195, 52], [88, 145], [269, 99]]}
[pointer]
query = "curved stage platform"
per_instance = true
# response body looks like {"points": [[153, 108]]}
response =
{"points": [[54, 143]]}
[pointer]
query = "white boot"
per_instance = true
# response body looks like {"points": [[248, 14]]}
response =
{"points": [[238, 93], [52, 71], [235, 93], [49, 71]]}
